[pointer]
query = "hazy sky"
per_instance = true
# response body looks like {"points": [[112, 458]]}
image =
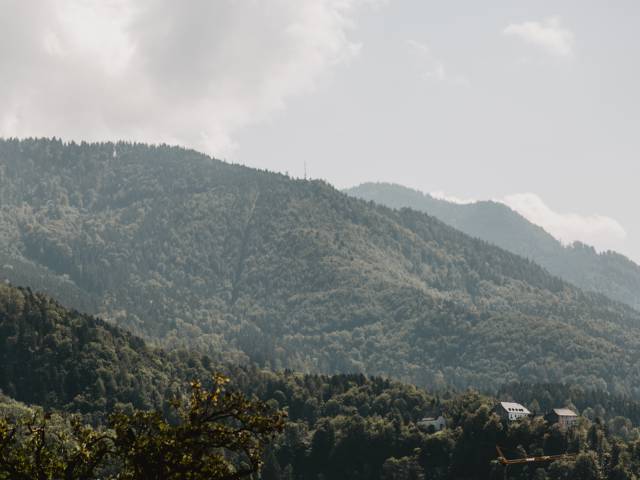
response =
{"points": [[534, 103]]}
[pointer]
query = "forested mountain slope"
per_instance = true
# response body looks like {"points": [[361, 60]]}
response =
{"points": [[184, 248], [609, 272]]}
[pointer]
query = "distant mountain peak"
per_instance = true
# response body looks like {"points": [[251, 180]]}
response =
{"points": [[609, 273]]}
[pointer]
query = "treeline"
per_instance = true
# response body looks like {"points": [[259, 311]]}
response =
{"points": [[354, 427], [622, 411], [339, 426]]}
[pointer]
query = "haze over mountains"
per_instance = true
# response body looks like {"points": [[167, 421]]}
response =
{"points": [[188, 250], [609, 272]]}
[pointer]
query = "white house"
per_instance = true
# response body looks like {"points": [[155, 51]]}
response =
{"points": [[511, 411]]}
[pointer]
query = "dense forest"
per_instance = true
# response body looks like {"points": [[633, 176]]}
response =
{"points": [[609, 272], [69, 361], [347, 426], [188, 251]]}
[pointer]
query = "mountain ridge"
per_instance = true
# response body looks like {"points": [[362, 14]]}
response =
{"points": [[610, 273]]}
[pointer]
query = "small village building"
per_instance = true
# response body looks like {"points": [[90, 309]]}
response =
{"points": [[432, 423], [511, 411], [562, 416]]}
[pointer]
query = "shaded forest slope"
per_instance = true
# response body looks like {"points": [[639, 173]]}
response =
{"points": [[62, 359]]}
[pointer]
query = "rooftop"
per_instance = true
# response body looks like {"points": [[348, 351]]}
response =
{"points": [[564, 412], [514, 407], [432, 419]]}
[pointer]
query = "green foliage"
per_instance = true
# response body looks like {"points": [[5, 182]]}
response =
{"points": [[38, 447], [217, 435], [366, 428], [609, 273], [245, 265]]}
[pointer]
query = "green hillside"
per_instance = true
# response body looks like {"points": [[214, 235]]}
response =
{"points": [[186, 249], [608, 273], [62, 359]]}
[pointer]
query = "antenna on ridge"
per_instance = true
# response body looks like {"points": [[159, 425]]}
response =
{"points": [[305, 170]]}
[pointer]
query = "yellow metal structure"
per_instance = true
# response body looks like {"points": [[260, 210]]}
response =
{"points": [[525, 460], [530, 460]]}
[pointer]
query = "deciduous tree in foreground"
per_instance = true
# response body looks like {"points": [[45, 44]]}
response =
{"points": [[216, 435]]}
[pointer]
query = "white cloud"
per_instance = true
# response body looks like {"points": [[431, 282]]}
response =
{"points": [[440, 195], [163, 71], [604, 233], [548, 34], [430, 66]]}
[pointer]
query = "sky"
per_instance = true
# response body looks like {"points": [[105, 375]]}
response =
{"points": [[532, 103]]}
